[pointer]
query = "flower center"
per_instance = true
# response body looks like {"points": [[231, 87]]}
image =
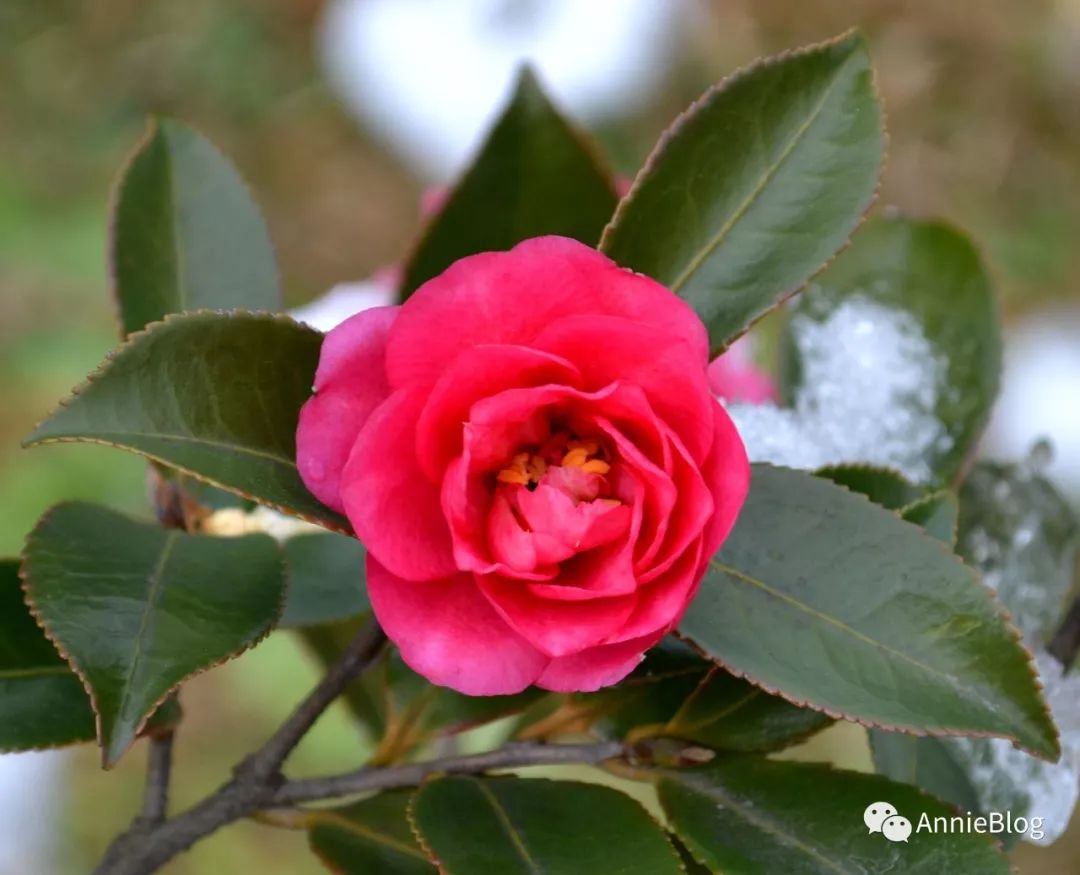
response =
{"points": [[527, 468]]}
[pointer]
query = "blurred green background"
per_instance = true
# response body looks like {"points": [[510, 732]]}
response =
{"points": [[984, 125]]}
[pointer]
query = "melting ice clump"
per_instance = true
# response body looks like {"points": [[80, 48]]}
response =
{"points": [[1007, 779], [869, 389], [1021, 536]]}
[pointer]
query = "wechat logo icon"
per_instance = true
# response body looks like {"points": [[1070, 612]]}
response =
{"points": [[883, 818]]}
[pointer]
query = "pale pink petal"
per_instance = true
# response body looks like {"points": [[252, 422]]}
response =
{"points": [[449, 633]]}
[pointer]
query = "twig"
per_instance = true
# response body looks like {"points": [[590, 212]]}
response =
{"points": [[410, 775], [361, 651], [158, 772], [151, 841], [143, 853]]}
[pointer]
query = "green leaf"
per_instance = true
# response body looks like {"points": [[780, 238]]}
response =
{"points": [[215, 396], [534, 176], [746, 815], [844, 607], [933, 275], [936, 514], [42, 701], [757, 185], [505, 826], [927, 763], [325, 576], [137, 609], [369, 838], [883, 486], [186, 234]]}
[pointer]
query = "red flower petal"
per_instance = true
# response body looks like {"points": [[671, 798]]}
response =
{"points": [[448, 632]]}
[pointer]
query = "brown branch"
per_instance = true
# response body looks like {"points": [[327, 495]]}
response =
{"points": [[158, 772], [143, 853]]}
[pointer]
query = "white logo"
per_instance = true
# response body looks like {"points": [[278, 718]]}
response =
{"points": [[882, 817]]}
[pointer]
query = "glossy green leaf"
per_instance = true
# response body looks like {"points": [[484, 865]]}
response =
{"points": [[757, 185], [928, 763], [752, 816], [505, 826], [216, 396], [369, 838], [325, 576], [533, 176], [883, 486], [846, 608], [186, 234], [936, 512], [932, 275], [42, 701], [137, 609]]}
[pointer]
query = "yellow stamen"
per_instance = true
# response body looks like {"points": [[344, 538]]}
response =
{"points": [[596, 466]]}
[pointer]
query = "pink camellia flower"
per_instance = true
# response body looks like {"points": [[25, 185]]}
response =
{"points": [[734, 377], [530, 452]]}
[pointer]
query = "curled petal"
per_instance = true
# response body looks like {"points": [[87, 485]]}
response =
{"points": [[669, 370], [449, 633], [589, 670], [474, 375]]}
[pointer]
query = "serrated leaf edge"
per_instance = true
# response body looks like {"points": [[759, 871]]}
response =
{"points": [[708, 95], [327, 522], [1006, 618], [24, 577]]}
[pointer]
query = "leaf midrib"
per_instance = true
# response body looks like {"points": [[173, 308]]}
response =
{"points": [[712, 245], [949, 680], [125, 437], [508, 827], [713, 792], [156, 586]]}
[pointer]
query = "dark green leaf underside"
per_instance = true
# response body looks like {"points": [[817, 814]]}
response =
{"points": [[844, 607], [215, 395], [137, 608]]}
